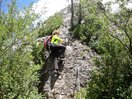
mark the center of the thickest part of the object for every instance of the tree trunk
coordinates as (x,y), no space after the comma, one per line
(80,13)
(72,14)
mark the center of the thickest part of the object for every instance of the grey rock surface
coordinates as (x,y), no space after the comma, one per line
(75,70)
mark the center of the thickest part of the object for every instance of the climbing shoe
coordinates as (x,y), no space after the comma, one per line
(61,59)
(57,72)
(62,56)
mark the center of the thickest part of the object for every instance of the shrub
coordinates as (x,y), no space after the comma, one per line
(50,25)
(18,76)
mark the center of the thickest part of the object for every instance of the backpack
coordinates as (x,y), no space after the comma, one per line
(47,42)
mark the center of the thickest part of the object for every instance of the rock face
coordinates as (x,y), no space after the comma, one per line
(75,68)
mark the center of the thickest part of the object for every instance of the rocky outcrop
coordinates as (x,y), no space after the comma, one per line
(75,67)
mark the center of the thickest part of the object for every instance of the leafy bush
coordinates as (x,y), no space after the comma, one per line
(18,76)
(50,25)
(112,77)
(38,54)
(81,94)
(89,30)
(91,25)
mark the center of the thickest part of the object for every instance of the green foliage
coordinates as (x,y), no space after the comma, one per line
(81,94)
(18,76)
(50,25)
(92,24)
(89,30)
(38,54)
(113,42)
(112,78)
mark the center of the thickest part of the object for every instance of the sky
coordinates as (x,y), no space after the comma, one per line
(20,4)
(46,8)
(38,5)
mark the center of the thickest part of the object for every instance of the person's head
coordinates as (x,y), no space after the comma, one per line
(56,32)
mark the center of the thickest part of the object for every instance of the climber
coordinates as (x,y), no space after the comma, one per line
(57,49)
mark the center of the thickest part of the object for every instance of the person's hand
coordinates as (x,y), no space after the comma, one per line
(62,42)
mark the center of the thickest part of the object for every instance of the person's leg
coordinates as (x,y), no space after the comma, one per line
(54,52)
(56,63)
(60,49)
(57,51)
(54,49)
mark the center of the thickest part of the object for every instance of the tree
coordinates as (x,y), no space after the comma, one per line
(18,76)
(72,14)
(109,35)
(111,79)
(122,22)
(80,12)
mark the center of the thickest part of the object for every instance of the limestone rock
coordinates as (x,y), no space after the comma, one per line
(75,69)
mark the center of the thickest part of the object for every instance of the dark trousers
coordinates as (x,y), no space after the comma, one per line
(57,51)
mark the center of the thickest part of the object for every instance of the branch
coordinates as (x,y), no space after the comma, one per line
(130,40)
(125,46)
(124,29)
(110,19)
(8,47)
(119,40)
(129,48)
(127,20)
(120,27)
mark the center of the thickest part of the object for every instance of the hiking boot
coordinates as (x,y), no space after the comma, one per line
(57,72)
(63,59)
(58,58)
(62,56)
